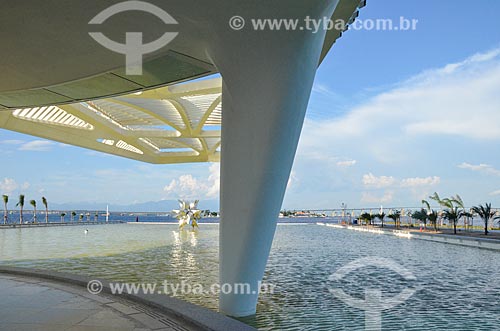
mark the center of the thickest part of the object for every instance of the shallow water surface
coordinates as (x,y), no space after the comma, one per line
(457,288)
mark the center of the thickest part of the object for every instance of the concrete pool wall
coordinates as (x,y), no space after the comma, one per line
(442,238)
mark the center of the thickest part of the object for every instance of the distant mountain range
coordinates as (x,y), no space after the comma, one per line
(150,206)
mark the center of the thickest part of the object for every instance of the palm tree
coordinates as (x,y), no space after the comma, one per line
(80,218)
(433,217)
(5,212)
(452,204)
(73,214)
(366,217)
(96,215)
(426,204)
(453,214)
(458,200)
(62,217)
(381,216)
(486,213)
(421,215)
(20,204)
(44,201)
(460,203)
(436,198)
(395,216)
(409,213)
(467,216)
(33,203)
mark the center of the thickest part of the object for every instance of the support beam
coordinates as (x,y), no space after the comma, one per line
(267,80)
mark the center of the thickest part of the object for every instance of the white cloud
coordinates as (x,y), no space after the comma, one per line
(485,168)
(419,187)
(440,114)
(454,67)
(11,142)
(347,163)
(497,192)
(213,181)
(185,186)
(372,181)
(454,100)
(416,187)
(189,187)
(418,181)
(367,197)
(323,89)
(378,182)
(8,185)
(316,153)
(37,146)
(438,102)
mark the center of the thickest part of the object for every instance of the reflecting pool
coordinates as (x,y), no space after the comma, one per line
(456,288)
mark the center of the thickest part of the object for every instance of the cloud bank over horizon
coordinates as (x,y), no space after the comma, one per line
(418,131)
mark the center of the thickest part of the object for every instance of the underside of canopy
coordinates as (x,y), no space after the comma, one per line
(154,117)
(62,71)
(179,123)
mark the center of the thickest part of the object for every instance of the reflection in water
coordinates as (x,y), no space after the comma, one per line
(185,242)
(182,236)
(459,286)
(194,237)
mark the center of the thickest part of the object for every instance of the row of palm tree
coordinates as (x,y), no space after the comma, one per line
(454,211)
(367,218)
(486,214)
(33,203)
(395,215)
(20,204)
(424,215)
(80,218)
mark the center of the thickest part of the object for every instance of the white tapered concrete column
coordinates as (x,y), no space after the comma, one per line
(267,80)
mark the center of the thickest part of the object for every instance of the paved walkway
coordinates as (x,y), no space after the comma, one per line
(37,305)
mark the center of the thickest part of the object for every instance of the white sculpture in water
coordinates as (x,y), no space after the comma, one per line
(187,214)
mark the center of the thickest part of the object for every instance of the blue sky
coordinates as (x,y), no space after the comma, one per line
(393,117)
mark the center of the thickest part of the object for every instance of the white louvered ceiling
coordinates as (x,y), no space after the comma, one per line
(173,124)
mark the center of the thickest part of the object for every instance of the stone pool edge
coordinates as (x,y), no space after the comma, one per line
(482,243)
(191,313)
